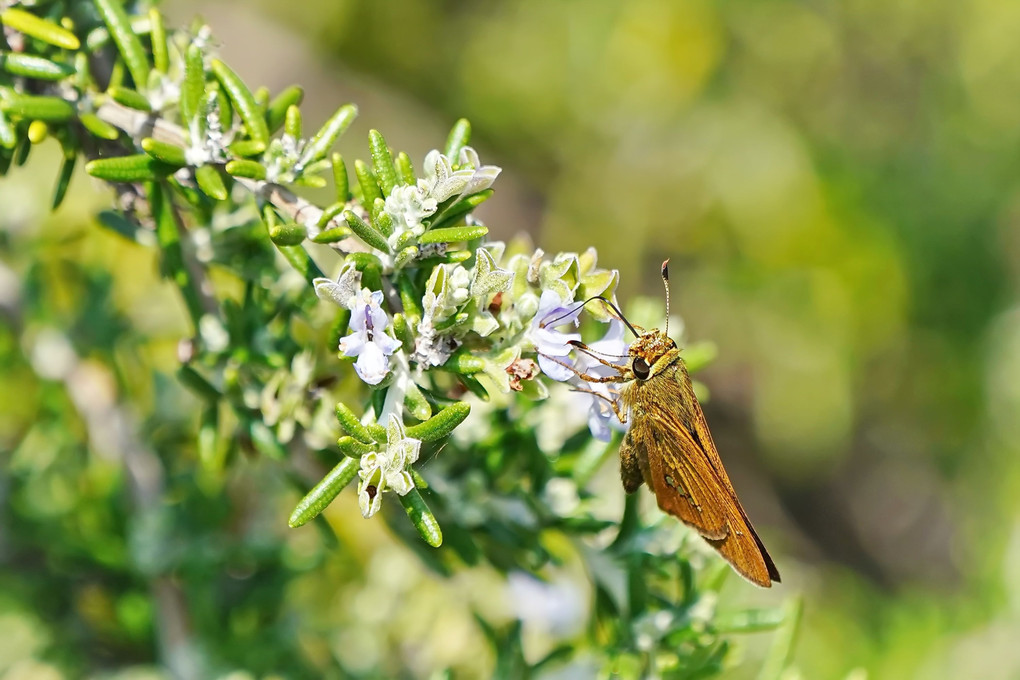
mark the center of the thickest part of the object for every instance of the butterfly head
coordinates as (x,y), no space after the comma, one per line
(646,352)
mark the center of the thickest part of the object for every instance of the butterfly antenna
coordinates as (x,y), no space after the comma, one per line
(619,314)
(665,282)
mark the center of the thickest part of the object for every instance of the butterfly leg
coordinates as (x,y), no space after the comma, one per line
(620,413)
(590,378)
(589,352)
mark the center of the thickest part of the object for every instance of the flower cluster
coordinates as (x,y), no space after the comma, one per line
(495,316)
(410,206)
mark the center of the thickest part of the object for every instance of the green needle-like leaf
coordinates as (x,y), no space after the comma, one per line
(405,169)
(422,518)
(30,66)
(277,111)
(130,98)
(416,403)
(459,136)
(351,424)
(135,168)
(778,657)
(405,257)
(118,224)
(209,449)
(262,98)
(366,232)
(192,379)
(247,169)
(38,107)
(453,234)
(352,448)
(264,440)
(319,145)
(455,212)
(292,122)
(451,257)
(329,214)
(210,182)
(64,177)
(383,221)
(378,432)
(243,100)
(157,36)
(247,148)
(441,424)
(22,150)
(162,151)
(365,262)
(193,88)
(299,259)
(334,235)
(370,189)
(99,127)
(404,332)
(287,233)
(382,162)
(410,299)
(130,47)
(39,28)
(465,363)
(309,179)
(340,179)
(370,267)
(225,107)
(324,492)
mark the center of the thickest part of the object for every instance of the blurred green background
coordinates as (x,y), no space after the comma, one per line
(838,186)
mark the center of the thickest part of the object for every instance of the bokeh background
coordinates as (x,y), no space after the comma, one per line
(837,184)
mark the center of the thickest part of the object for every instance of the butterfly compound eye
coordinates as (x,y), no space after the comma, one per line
(641,368)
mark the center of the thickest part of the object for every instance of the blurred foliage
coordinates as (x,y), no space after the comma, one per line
(837,184)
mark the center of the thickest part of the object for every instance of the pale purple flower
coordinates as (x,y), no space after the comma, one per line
(368,340)
(553,345)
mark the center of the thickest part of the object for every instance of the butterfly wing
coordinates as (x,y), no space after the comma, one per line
(703,438)
(681,465)
(681,490)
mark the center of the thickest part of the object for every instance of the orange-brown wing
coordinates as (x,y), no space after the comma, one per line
(703,437)
(688,478)
(680,489)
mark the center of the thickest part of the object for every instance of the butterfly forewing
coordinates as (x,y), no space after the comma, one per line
(705,443)
(680,490)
